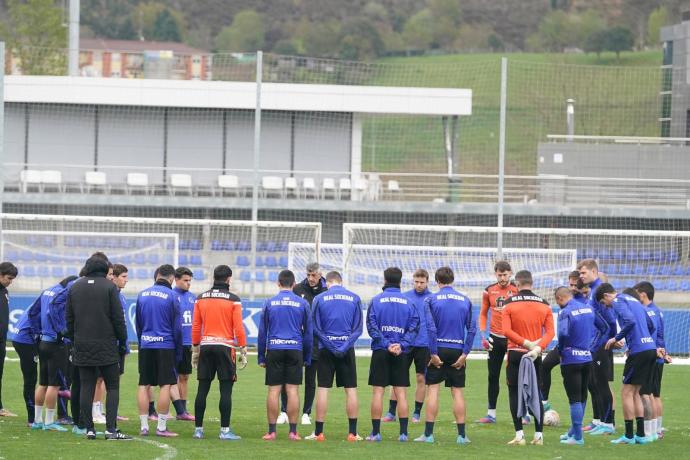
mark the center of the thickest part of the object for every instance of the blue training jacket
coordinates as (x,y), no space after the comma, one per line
(580,328)
(286,324)
(636,327)
(418,298)
(392,318)
(606,313)
(449,320)
(123,301)
(337,315)
(186,300)
(28,326)
(158,320)
(53,320)
(658,319)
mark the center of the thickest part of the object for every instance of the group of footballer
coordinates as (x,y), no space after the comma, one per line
(315,325)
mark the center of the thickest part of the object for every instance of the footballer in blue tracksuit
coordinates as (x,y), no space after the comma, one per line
(637,329)
(284,346)
(24,343)
(337,315)
(392,323)
(451,330)
(159,333)
(579,330)
(183,280)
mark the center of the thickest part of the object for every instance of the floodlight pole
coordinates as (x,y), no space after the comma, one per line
(74,38)
(257,165)
(502,157)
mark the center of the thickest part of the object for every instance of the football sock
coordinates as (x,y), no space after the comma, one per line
(629,429)
(375,426)
(418,407)
(144,422)
(352,422)
(403,425)
(428,429)
(392,406)
(271,428)
(38,414)
(293,428)
(162,422)
(50,416)
(577,413)
(491,413)
(319,428)
(461,429)
(640,426)
(152,408)
(179,407)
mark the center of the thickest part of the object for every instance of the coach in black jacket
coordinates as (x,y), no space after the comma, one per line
(96,325)
(8,272)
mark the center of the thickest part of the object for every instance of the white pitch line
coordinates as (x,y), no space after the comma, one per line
(170,452)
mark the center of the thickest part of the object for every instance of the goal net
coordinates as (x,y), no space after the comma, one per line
(624,256)
(46,248)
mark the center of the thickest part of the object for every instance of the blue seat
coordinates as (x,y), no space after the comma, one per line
(40,257)
(183,245)
(359,278)
(652,270)
(244,246)
(638,269)
(183,259)
(661,285)
(260,246)
(624,269)
(665,270)
(242,261)
(217,245)
(126,259)
(43,271)
(245,276)
(11,254)
(26,256)
(672,285)
(679,270)
(685,285)
(273,276)
(282,246)
(283,261)
(142,273)
(195,259)
(140,259)
(372,279)
(259,261)
(271,261)
(28,271)
(195,245)
(271,246)
(153,259)
(199,275)
(57,272)
(260,276)
(70,241)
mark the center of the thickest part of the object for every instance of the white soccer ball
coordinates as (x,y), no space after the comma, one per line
(551,418)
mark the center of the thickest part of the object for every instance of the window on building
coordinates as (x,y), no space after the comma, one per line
(665,128)
(667,49)
(666,79)
(666,105)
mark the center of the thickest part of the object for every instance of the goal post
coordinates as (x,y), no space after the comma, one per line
(57,244)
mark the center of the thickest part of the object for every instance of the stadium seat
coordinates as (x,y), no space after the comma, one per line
(271,246)
(183,259)
(51,179)
(244,246)
(652,269)
(672,285)
(57,272)
(195,259)
(393,188)
(153,259)
(282,246)
(137,182)
(283,261)
(199,275)
(142,273)
(271,185)
(40,257)
(180,182)
(95,180)
(291,187)
(359,278)
(271,261)
(29,177)
(259,262)
(28,271)
(661,285)
(273,276)
(245,276)
(217,245)
(26,256)
(685,285)
(139,259)
(328,188)
(665,270)
(11,254)
(260,246)
(242,261)
(309,187)
(344,187)
(260,276)
(43,271)
(70,241)
(195,245)
(230,183)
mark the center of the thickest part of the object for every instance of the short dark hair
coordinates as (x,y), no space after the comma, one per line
(589,264)
(67,280)
(101,255)
(182,271)
(334,276)
(574,275)
(632,293)
(421,273)
(392,275)
(286,279)
(221,273)
(119,269)
(604,288)
(523,277)
(580,284)
(165,271)
(502,266)
(444,275)
(646,287)
(95,264)
(562,291)
(9,269)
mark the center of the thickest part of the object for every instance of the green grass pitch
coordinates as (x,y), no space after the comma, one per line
(249,421)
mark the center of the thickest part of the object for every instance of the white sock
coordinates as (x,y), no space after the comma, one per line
(538,435)
(596,421)
(659,424)
(520,434)
(654,430)
(144,422)
(225,429)
(491,413)
(50,416)
(647,428)
(38,414)
(162,421)
(96,410)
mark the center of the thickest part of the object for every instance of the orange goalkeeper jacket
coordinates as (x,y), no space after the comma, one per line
(218,318)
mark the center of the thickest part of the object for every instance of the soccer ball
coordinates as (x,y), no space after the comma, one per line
(551,418)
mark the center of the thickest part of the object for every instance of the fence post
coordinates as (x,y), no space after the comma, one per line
(257,165)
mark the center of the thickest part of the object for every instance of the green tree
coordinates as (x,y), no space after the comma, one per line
(108,18)
(657,19)
(246,33)
(147,18)
(360,40)
(165,28)
(589,23)
(321,38)
(619,39)
(418,31)
(557,31)
(596,42)
(35,35)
